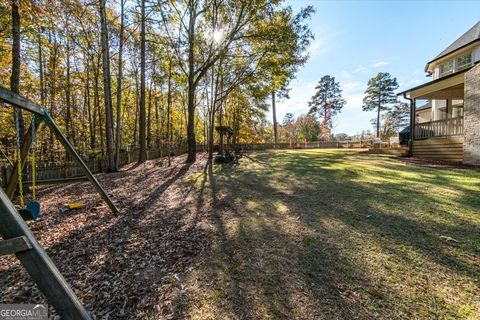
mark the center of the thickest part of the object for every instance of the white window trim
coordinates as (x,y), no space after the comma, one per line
(465,66)
(455,66)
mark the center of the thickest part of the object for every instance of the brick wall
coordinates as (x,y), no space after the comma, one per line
(471,144)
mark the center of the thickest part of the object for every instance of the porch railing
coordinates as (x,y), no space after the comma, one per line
(439,128)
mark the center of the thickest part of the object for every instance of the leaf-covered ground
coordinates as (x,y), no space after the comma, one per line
(310,234)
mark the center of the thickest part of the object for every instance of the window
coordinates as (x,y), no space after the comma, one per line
(439,109)
(455,65)
(457,112)
(463,62)
(446,68)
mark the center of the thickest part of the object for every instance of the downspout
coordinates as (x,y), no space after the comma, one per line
(412,124)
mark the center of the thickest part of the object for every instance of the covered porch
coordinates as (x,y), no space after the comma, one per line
(437,119)
(438,108)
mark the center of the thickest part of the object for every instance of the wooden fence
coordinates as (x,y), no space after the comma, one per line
(66,171)
(312,145)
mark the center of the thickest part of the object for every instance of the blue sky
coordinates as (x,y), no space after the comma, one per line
(354,40)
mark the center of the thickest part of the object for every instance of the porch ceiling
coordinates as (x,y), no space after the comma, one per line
(455,92)
(451,87)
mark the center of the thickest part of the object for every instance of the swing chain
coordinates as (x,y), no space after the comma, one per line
(34,169)
(19,157)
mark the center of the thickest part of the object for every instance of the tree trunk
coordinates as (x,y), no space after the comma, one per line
(68,114)
(53,88)
(211,134)
(40,67)
(157,125)
(149,116)
(191,143)
(96,104)
(142,119)
(15,76)
(42,85)
(107,88)
(274,111)
(211,114)
(169,112)
(118,133)
(137,103)
(378,120)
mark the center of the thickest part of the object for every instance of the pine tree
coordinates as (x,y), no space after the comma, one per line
(327,102)
(380,95)
(288,119)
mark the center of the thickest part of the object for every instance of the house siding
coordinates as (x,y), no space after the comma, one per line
(471,143)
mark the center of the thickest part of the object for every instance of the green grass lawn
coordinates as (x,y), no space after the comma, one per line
(327,234)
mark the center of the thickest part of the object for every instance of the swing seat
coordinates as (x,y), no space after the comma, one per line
(31,211)
(25,213)
(34,207)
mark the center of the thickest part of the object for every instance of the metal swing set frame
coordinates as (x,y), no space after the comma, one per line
(19,239)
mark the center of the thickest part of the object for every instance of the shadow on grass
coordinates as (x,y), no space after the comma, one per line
(264,269)
(295,236)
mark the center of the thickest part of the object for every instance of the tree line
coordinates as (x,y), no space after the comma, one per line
(328,102)
(116,74)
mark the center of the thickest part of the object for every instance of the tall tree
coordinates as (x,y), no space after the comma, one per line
(288,53)
(142,121)
(118,132)
(204,46)
(380,95)
(240,54)
(107,88)
(15,75)
(327,103)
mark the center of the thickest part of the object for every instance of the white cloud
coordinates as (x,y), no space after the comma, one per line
(325,39)
(416,78)
(380,64)
(352,87)
(317,48)
(361,69)
(300,95)
(413,82)
(347,75)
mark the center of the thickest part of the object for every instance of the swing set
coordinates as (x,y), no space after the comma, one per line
(32,210)
(17,237)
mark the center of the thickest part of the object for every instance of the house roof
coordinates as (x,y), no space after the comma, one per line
(472,35)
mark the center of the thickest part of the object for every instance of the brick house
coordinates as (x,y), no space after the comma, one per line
(445,112)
